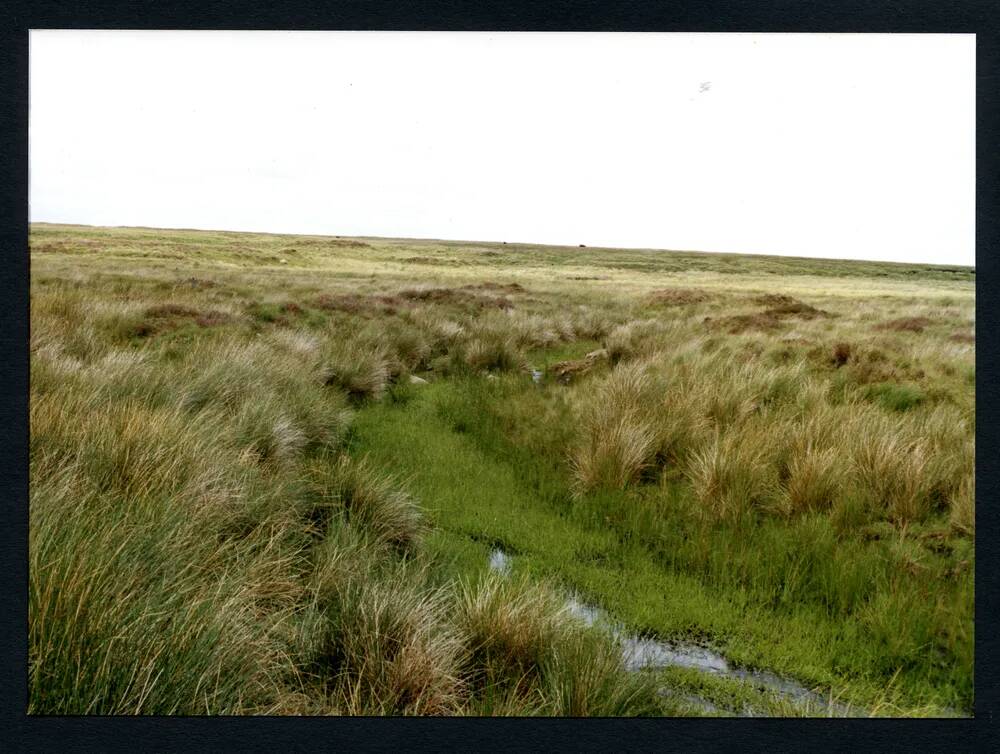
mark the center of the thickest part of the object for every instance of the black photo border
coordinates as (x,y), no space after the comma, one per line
(44,733)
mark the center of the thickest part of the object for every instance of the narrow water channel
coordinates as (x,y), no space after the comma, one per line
(639,653)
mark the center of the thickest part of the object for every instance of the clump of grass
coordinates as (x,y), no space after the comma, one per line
(342,556)
(962,504)
(134,451)
(223,379)
(272,437)
(730,401)
(730,475)
(532,330)
(890,471)
(815,479)
(135,605)
(510,628)
(377,502)
(303,344)
(404,345)
(633,339)
(584,677)
(681,428)
(357,368)
(494,352)
(394,650)
(591,323)
(619,439)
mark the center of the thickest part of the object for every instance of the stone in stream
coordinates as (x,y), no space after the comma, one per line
(566,371)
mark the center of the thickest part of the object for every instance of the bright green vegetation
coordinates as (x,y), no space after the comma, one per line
(241,503)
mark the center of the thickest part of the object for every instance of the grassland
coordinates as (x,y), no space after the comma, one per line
(267,474)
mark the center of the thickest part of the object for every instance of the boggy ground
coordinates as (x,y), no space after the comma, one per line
(242,501)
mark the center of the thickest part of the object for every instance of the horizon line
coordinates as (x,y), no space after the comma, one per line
(511,243)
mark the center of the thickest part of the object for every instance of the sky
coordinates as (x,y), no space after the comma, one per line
(855,146)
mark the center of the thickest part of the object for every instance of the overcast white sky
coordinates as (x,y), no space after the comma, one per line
(851,146)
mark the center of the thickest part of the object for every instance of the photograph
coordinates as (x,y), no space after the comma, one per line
(471,373)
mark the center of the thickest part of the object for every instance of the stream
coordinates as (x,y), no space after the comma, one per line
(639,653)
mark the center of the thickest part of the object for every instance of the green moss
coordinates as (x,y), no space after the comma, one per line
(895,397)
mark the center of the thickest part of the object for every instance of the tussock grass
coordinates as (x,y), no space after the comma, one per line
(359,370)
(815,481)
(494,351)
(890,472)
(730,476)
(530,651)
(963,506)
(393,650)
(239,504)
(375,501)
(511,627)
(584,679)
(618,440)
(135,607)
(632,339)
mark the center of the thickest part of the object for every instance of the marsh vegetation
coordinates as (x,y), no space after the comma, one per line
(243,499)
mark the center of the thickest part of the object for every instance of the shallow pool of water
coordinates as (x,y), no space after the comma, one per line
(499,561)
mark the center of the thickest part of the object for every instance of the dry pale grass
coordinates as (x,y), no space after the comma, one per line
(815,481)
(493,350)
(618,439)
(890,471)
(731,476)
(510,626)
(963,507)
(376,501)
(395,650)
(357,369)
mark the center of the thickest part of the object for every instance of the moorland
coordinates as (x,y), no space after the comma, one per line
(280,474)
